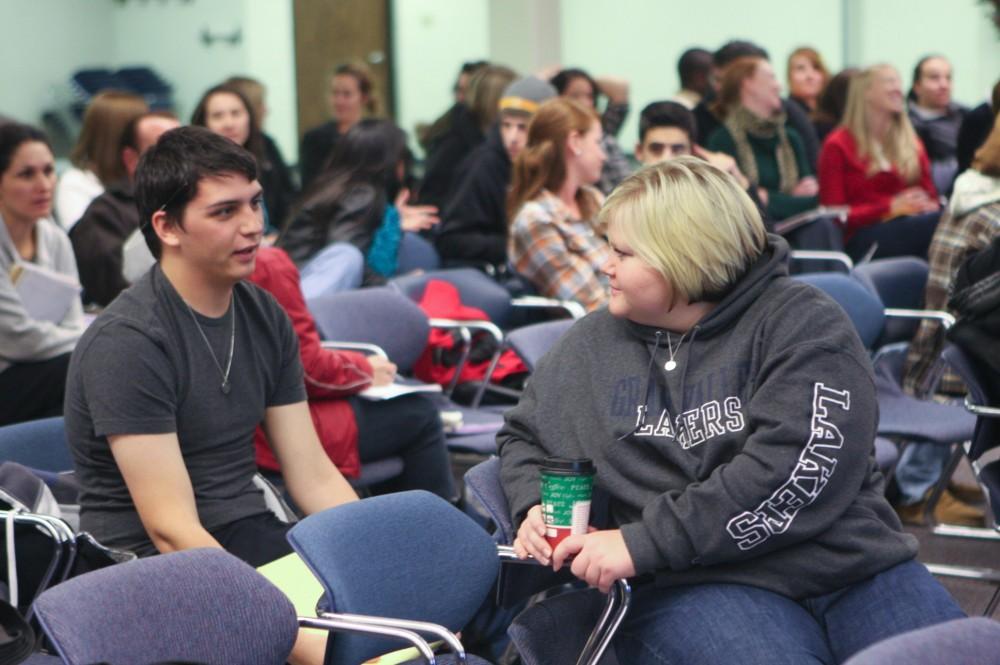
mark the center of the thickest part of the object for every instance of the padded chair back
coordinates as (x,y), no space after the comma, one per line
(474,288)
(483,482)
(379,316)
(899,282)
(973,641)
(39,444)
(202,606)
(987,433)
(534,341)
(862,306)
(415,253)
(409,555)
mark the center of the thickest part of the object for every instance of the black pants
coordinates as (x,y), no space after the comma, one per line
(407,427)
(258,539)
(33,390)
(902,236)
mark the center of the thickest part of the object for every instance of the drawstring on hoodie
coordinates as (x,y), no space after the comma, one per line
(649,383)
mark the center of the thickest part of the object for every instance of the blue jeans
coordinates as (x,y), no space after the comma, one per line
(338,267)
(709,624)
(919,468)
(903,236)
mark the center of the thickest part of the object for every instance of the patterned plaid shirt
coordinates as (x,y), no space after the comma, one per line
(956,237)
(560,255)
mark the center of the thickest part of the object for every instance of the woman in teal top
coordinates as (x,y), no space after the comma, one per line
(769,152)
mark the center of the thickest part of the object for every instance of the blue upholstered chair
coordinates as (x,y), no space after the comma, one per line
(476,289)
(410,558)
(202,606)
(901,416)
(382,320)
(416,253)
(39,444)
(958,642)
(584,619)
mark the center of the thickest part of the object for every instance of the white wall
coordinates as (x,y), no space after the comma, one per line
(168,36)
(430,41)
(39,52)
(900,32)
(50,39)
(642,39)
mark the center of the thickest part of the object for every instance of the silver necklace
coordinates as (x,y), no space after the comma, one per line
(225,387)
(671,364)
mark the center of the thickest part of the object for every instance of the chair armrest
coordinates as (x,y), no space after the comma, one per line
(981,409)
(418,627)
(465,328)
(615,609)
(336,623)
(823,255)
(571,307)
(372,349)
(946,319)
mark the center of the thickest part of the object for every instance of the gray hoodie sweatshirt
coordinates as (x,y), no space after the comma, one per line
(751,462)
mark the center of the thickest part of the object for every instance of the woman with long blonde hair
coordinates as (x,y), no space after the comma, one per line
(554,238)
(875,164)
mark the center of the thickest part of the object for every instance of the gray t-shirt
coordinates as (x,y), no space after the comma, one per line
(143,368)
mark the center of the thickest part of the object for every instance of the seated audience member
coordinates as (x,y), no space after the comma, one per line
(225,110)
(831,103)
(95,157)
(351,97)
(256,94)
(100,235)
(474,225)
(875,164)
(705,112)
(976,126)
(768,151)
(579,86)
(747,499)
(970,223)
(807,76)
(35,345)
(464,79)
(936,118)
(555,242)
(354,431)
(667,131)
(694,69)
(459,131)
(358,200)
(169,383)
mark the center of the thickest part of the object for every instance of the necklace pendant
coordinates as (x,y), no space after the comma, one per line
(225,387)
(670,365)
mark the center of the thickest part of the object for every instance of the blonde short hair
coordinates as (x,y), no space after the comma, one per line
(691,222)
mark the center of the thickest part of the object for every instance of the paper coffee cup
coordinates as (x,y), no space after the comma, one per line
(567,485)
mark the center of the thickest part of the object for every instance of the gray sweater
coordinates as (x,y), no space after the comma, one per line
(750,463)
(23,339)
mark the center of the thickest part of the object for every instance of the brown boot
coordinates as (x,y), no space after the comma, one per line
(949,510)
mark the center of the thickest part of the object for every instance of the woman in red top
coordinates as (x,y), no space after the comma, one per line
(354,431)
(875,164)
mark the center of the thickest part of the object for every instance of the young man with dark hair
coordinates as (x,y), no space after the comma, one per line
(694,68)
(667,130)
(100,235)
(166,387)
